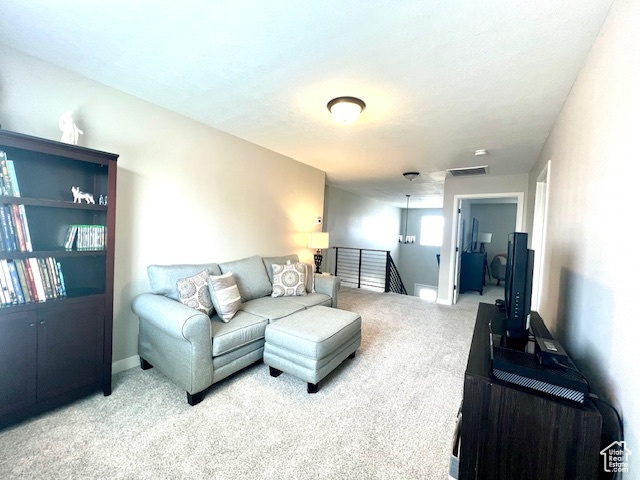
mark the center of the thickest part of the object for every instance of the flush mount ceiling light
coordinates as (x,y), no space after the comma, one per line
(481,153)
(346,109)
(411,176)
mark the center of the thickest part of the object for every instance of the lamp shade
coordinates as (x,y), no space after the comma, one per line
(319,240)
(484,237)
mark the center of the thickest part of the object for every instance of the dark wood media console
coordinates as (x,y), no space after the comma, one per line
(509,432)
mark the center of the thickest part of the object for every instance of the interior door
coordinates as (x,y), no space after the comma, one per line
(459,239)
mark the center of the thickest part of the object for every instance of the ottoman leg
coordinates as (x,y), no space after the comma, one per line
(274,372)
(352,356)
(312,387)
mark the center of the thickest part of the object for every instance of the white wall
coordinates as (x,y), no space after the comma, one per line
(359,222)
(186,192)
(499,219)
(418,263)
(470,187)
(590,288)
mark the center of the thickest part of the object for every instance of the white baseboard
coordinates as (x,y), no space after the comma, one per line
(125,364)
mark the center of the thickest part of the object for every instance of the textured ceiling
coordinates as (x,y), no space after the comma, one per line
(440,78)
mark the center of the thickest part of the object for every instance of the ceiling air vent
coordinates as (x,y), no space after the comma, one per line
(468,171)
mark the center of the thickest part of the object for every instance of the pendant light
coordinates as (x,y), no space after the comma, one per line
(406,226)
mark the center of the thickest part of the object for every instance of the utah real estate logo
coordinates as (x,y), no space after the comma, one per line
(616,457)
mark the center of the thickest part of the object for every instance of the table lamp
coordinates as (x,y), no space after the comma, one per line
(318,240)
(484,238)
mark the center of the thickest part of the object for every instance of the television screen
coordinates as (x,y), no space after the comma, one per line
(517,287)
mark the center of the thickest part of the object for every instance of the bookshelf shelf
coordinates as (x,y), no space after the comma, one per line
(40,202)
(53,253)
(56,316)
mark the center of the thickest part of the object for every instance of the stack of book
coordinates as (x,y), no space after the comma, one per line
(31,280)
(86,237)
(13,218)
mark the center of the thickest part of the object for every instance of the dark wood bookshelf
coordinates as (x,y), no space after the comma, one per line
(56,350)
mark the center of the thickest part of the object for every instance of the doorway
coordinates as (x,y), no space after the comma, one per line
(539,233)
(462,222)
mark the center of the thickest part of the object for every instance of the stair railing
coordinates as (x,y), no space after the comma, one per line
(368,268)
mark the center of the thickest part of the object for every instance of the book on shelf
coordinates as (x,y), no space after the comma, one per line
(19,230)
(25,227)
(14,178)
(15,229)
(7,229)
(86,237)
(17,288)
(24,283)
(45,279)
(11,297)
(5,296)
(8,178)
(30,280)
(37,279)
(70,237)
(7,188)
(63,288)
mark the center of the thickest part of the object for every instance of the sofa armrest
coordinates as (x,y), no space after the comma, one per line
(175,339)
(329,285)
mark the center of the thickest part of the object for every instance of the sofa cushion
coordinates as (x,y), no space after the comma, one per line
(311,300)
(164,278)
(289,280)
(271,308)
(251,277)
(242,330)
(269,261)
(224,295)
(194,292)
(311,279)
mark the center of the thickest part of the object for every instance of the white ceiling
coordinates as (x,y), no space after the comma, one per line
(440,78)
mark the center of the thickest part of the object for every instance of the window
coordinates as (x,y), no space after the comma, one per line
(431,227)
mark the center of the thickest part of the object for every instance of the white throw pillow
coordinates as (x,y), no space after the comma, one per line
(225,295)
(289,280)
(194,293)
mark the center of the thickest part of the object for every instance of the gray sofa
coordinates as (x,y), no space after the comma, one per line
(195,350)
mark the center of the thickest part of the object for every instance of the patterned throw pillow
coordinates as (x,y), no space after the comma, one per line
(194,292)
(289,280)
(225,295)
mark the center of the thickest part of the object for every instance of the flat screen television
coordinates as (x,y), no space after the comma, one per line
(517,288)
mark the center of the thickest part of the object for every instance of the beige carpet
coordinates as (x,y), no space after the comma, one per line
(387,414)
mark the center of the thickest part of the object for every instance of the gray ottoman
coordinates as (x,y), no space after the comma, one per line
(309,344)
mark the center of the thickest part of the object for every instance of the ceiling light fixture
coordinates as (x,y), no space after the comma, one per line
(411,176)
(346,109)
(407,238)
(480,153)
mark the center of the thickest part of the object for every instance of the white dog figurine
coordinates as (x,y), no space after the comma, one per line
(69,129)
(78,196)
